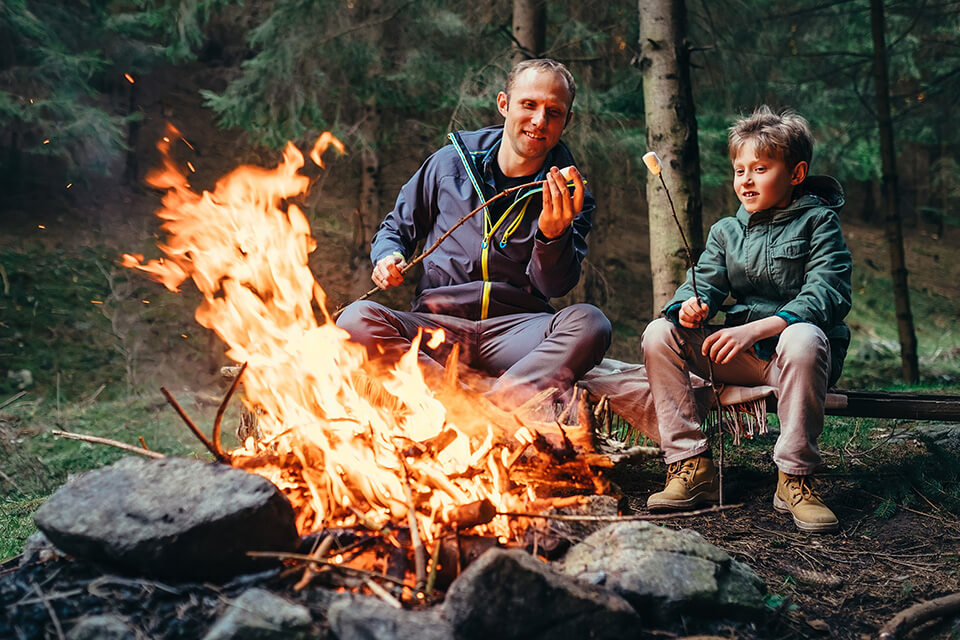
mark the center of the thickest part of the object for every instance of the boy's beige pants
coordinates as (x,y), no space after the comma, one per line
(799,369)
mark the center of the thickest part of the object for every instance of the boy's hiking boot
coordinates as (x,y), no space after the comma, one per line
(690,483)
(797,496)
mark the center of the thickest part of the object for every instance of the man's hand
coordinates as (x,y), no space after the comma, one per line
(386,273)
(692,313)
(559,206)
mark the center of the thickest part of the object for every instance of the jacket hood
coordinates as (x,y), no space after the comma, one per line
(815,191)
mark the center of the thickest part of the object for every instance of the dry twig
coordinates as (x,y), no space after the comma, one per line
(108,442)
(223,407)
(665,516)
(211,447)
(319,553)
(304,557)
(382,593)
(49,608)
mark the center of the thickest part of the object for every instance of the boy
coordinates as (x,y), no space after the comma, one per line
(783,260)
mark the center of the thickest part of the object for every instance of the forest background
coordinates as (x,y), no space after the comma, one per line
(87,87)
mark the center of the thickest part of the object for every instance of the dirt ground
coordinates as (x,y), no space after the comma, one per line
(843,585)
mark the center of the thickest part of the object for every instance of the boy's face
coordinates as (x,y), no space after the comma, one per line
(762,181)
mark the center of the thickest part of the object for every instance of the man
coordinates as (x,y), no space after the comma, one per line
(488,285)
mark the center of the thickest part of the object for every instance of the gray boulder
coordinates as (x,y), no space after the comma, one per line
(663,572)
(173,518)
(509,594)
(260,615)
(363,618)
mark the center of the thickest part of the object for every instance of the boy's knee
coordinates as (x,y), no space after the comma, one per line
(658,334)
(803,343)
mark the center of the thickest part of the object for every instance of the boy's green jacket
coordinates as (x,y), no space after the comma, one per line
(792,262)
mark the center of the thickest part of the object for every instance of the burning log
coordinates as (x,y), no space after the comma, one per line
(473,514)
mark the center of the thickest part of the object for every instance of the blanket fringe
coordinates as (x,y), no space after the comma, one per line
(743,419)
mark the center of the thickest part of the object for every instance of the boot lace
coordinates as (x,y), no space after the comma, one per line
(682,469)
(801,487)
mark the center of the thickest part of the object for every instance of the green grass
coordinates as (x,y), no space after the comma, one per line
(873,360)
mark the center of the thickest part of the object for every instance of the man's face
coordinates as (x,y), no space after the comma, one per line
(535,113)
(762,181)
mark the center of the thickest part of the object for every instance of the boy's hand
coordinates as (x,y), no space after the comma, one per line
(559,206)
(386,273)
(692,313)
(724,345)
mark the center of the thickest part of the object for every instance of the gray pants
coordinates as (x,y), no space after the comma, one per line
(799,370)
(526,352)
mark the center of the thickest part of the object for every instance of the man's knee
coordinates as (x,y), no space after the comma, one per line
(363,320)
(803,344)
(589,324)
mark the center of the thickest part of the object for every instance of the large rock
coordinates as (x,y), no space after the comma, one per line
(260,615)
(663,572)
(363,618)
(174,519)
(509,594)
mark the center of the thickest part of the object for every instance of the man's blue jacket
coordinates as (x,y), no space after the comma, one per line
(487,267)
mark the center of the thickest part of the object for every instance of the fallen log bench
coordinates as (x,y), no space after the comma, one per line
(891,404)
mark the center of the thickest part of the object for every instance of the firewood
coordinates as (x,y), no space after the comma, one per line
(473,514)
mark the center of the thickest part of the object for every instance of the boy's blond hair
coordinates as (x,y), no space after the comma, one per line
(785,135)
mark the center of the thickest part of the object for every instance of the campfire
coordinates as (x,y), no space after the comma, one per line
(350,443)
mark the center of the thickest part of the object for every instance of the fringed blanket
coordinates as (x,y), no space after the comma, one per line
(743,410)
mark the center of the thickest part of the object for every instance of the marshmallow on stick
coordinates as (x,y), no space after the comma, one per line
(652,160)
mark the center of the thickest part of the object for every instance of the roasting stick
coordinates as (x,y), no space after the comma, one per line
(459,222)
(652,160)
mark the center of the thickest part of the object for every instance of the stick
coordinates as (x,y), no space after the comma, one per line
(436,244)
(318,553)
(304,557)
(653,164)
(50,611)
(223,407)
(111,443)
(219,455)
(900,624)
(10,480)
(666,516)
(419,559)
(13,399)
(384,595)
(434,563)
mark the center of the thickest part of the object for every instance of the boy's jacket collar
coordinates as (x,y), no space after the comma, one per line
(815,191)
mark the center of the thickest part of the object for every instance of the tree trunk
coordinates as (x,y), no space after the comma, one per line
(529,29)
(891,200)
(672,133)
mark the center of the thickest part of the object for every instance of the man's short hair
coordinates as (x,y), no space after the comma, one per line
(541,65)
(785,135)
